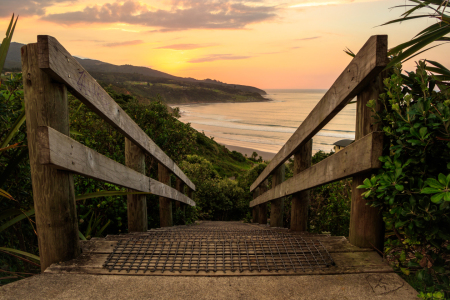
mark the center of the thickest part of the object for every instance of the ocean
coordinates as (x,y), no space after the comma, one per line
(266,126)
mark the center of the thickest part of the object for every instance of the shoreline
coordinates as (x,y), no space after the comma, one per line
(249,151)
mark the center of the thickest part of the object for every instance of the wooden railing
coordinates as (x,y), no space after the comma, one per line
(48,72)
(362,79)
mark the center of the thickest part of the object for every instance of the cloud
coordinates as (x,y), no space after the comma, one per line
(185,46)
(183,14)
(126,43)
(214,57)
(314,3)
(309,38)
(26,7)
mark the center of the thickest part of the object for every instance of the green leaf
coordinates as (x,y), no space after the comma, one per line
(429,190)
(434,183)
(81,236)
(405,271)
(103,228)
(29,255)
(442,179)
(6,42)
(423,132)
(437,198)
(15,128)
(5,194)
(17,219)
(399,187)
(367,182)
(74,132)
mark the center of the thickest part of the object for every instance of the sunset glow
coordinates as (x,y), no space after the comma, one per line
(268,44)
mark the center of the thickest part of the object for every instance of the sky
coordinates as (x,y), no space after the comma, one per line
(264,43)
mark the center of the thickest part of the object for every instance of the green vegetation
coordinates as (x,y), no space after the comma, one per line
(411,188)
(102,207)
(175,91)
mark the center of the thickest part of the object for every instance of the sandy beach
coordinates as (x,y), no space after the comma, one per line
(249,152)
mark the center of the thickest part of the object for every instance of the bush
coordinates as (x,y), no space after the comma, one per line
(412,188)
(217,198)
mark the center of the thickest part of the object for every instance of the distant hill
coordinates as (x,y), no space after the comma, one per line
(13,63)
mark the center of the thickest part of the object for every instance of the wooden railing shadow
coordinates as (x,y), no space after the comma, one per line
(362,79)
(48,72)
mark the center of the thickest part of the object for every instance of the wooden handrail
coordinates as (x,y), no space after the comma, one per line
(63,153)
(361,156)
(57,62)
(364,67)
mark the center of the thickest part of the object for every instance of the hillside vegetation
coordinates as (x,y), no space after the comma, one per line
(175,91)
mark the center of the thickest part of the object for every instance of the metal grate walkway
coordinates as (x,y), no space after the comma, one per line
(214,249)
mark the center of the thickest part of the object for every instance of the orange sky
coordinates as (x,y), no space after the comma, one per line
(263,43)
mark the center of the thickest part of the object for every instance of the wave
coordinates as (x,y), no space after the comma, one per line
(277,128)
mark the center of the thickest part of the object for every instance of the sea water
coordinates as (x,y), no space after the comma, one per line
(266,126)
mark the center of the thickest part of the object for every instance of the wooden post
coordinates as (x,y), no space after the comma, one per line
(366,223)
(277,205)
(255,210)
(263,207)
(179,186)
(300,200)
(165,204)
(53,191)
(137,204)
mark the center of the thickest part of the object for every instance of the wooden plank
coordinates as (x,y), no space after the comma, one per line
(366,222)
(136,204)
(361,156)
(63,153)
(165,204)
(367,64)
(277,204)
(255,210)
(56,61)
(346,263)
(263,207)
(300,200)
(179,186)
(53,191)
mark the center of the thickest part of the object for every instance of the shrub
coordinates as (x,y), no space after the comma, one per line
(412,188)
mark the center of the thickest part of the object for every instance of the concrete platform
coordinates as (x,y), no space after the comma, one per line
(82,286)
(217,260)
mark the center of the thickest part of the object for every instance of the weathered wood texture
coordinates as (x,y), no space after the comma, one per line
(367,64)
(53,191)
(56,61)
(165,204)
(263,207)
(346,263)
(277,204)
(300,200)
(180,186)
(361,156)
(255,209)
(366,223)
(63,153)
(136,204)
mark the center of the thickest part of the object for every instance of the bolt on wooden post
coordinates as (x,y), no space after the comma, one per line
(179,186)
(277,205)
(366,223)
(262,213)
(255,209)
(137,204)
(53,191)
(300,200)
(165,204)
